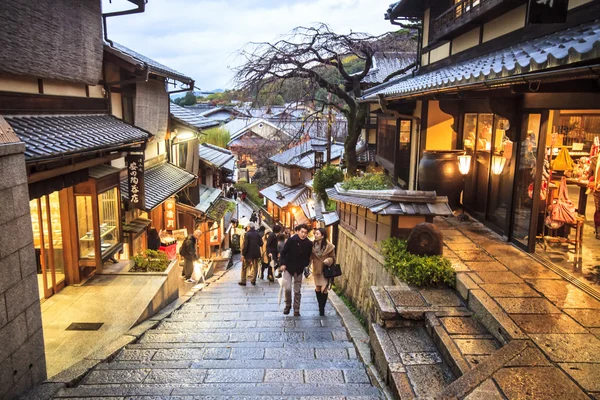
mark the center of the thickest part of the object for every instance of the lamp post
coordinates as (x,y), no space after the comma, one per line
(464,165)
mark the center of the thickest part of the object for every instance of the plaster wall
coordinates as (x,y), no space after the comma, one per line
(60,88)
(96,91)
(116,105)
(466,41)
(439,53)
(22,360)
(16,83)
(506,23)
(577,3)
(440,135)
(425,59)
(426,19)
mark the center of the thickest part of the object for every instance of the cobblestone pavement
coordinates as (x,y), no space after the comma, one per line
(230,342)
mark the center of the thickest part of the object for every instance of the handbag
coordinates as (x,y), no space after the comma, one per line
(564,209)
(332,271)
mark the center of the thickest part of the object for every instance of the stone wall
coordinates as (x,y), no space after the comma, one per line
(22,360)
(362,267)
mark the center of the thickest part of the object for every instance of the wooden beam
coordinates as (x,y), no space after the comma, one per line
(26,103)
(40,176)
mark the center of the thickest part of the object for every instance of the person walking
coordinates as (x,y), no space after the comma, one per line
(323,254)
(253,217)
(295,256)
(250,255)
(281,239)
(189,254)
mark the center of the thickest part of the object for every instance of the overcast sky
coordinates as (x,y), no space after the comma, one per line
(201,38)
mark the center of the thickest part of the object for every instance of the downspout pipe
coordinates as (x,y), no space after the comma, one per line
(141,7)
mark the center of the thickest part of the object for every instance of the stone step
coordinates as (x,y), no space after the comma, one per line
(281,323)
(244,316)
(179,326)
(223,389)
(298,363)
(178,344)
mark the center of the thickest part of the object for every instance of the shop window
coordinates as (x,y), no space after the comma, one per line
(386,138)
(85,226)
(108,213)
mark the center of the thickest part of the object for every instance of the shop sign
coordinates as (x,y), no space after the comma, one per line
(217,178)
(170,215)
(135,179)
(547,11)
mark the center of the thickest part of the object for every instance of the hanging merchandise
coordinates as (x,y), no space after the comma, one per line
(595,147)
(563,161)
(564,209)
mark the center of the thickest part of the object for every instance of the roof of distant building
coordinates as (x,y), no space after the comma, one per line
(216,156)
(386,64)
(558,49)
(283,195)
(51,136)
(185,116)
(303,155)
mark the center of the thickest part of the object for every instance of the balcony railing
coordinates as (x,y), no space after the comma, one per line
(460,14)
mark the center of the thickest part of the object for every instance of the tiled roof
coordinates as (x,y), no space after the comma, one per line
(160,183)
(188,117)
(303,155)
(51,136)
(208,196)
(217,156)
(283,195)
(393,202)
(386,64)
(155,66)
(576,44)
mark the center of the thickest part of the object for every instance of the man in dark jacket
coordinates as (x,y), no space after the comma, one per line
(251,254)
(294,257)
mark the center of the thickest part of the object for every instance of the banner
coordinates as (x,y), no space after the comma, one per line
(547,11)
(170,215)
(135,179)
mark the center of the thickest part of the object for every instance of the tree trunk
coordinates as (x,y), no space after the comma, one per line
(355,123)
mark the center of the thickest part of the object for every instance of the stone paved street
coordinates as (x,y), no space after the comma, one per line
(234,342)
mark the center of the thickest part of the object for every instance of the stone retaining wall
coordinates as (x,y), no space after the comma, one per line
(362,267)
(22,360)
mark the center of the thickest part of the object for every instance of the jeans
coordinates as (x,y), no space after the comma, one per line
(287,288)
(250,266)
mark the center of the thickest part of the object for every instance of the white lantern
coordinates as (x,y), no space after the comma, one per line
(498,164)
(464,164)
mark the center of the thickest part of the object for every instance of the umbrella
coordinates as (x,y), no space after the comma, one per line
(280,281)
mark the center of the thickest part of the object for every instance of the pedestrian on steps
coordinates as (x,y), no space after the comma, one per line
(294,258)
(250,254)
(189,254)
(323,254)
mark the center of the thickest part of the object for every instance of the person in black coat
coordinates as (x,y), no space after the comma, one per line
(251,254)
(294,257)
(153,239)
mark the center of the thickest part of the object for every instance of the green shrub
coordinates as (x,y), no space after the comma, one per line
(251,189)
(326,178)
(377,181)
(330,205)
(217,136)
(150,261)
(413,269)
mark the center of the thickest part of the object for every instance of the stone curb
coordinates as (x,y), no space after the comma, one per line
(360,339)
(75,373)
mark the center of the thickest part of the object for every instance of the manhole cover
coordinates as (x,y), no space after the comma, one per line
(85,326)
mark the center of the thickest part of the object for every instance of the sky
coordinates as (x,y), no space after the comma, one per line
(202,38)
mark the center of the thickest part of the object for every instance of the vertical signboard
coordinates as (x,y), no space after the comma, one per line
(170,215)
(547,11)
(135,179)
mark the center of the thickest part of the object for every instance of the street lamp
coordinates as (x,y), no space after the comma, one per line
(464,166)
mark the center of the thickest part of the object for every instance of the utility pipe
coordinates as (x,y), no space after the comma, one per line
(141,7)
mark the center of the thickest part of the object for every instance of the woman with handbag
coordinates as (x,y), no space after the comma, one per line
(323,255)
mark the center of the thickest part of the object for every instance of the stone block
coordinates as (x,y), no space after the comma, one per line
(384,305)
(450,352)
(486,391)
(12,336)
(13,171)
(323,376)
(464,284)
(584,374)
(120,376)
(441,297)
(39,372)
(21,200)
(509,290)
(589,318)
(7,205)
(489,313)
(24,358)
(477,346)
(547,323)
(10,271)
(15,234)
(27,261)
(235,375)
(425,239)
(167,376)
(20,386)
(6,375)
(401,386)
(3,317)
(527,305)
(537,383)
(569,348)
(284,376)
(429,380)
(462,326)
(21,296)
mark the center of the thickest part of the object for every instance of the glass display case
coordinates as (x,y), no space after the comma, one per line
(108,217)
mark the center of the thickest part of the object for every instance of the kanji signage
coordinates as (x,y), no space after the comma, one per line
(170,215)
(318,160)
(547,11)
(135,179)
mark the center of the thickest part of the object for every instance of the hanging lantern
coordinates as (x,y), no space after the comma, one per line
(498,164)
(464,164)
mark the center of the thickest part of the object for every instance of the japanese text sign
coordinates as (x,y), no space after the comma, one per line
(547,11)
(170,215)
(135,179)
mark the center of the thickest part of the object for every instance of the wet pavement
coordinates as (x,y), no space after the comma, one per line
(558,317)
(229,342)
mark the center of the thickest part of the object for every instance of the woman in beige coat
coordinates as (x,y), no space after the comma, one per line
(323,253)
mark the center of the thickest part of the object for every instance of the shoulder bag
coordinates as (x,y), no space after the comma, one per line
(332,271)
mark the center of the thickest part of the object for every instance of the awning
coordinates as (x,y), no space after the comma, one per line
(558,49)
(208,196)
(160,183)
(283,196)
(60,136)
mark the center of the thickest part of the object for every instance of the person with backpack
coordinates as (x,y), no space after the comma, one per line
(250,255)
(189,254)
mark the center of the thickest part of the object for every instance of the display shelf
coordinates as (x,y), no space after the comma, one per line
(102,235)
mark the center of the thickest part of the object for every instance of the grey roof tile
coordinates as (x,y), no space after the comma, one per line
(385,64)
(579,43)
(50,136)
(303,155)
(283,195)
(192,118)
(208,196)
(160,183)
(216,156)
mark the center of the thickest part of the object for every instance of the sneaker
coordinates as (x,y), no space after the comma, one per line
(296,313)
(242,283)
(286,310)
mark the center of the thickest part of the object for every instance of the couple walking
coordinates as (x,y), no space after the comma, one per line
(298,252)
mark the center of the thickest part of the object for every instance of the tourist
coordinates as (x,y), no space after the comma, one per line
(294,258)
(323,253)
(189,254)
(153,239)
(250,254)
(253,217)
(281,239)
